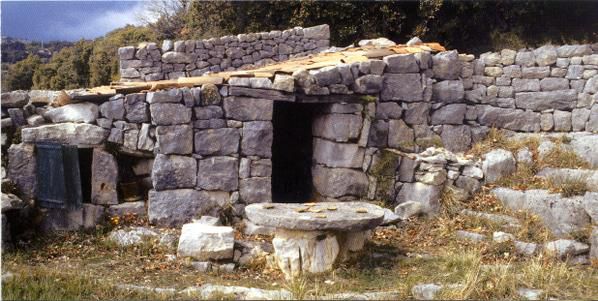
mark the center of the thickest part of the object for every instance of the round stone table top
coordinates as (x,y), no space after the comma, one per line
(336,216)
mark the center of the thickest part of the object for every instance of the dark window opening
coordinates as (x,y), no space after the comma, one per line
(292,152)
(63,175)
(134,177)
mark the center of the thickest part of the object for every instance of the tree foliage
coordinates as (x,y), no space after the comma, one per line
(20,75)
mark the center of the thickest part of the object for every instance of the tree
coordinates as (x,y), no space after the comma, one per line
(68,69)
(19,76)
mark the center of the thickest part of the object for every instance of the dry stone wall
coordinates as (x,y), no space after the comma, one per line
(376,136)
(150,62)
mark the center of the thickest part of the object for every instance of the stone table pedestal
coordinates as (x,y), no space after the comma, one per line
(311,238)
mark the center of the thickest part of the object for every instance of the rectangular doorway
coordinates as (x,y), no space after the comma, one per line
(292,152)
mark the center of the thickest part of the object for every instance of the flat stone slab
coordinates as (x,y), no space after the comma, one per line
(331,216)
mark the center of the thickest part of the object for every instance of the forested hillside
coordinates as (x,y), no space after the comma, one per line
(473,27)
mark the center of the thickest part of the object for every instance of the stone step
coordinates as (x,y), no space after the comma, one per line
(560,175)
(562,215)
(496,218)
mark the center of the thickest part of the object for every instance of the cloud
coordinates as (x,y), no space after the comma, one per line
(91,25)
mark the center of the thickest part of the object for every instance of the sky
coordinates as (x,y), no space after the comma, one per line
(67,20)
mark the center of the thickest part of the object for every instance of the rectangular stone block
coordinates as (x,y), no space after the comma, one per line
(172,172)
(334,154)
(257,139)
(248,109)
(175,139)
(218,173)
(337,127)
(255,190)
(173,208)
(104,177)
(218,142)
(170,113)
(539,101)
(136,109)
(405,87)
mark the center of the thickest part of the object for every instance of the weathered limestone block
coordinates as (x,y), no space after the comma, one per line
(579,118)
(594,244)
(22,169)
(516,120)
(77,112)
(400,135)
(327,76)
(172,57)
(367,84)
(507,57)
(545,55)
(175,139)
(388,110)
(564,248)
(298,252)
(82,134)
(417,113)
(126,53)
(401,63)
(497,164)
(14,99)
(406,87)
(113,109)
(334,154)
(255,190)
(535,72)
(525,58)
(562,121)
(136,109)
(449,114)
(257,139)
(170,113)
(145,140)
(591,85)
(546,122)
(456,138)
(128,208)
(209,112)
(337,182)
(337,127)
(165,96)
(218,173)
(248,109)
(223,141)
(427,195)
(446,65)
(284,83)
(526,85)
(539,101)
(320,32)
(378,135)
(104,178)
(448,91)
(552,84)
(131,138)
(203,242)
(261,168)
(573,50)
(172,172)
(176,207)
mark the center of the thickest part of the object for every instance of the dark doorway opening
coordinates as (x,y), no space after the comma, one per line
(292,152)
(85,161)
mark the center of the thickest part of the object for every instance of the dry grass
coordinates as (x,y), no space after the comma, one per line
(568,186)
(560,157)
(497,139)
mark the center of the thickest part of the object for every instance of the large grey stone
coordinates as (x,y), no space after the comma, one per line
(165,96)
(425,291)
(136,109)
(170,113)
(526,85)
(248,109)
(368,84)
(378,134)
(172,172)
(545,55)
(456,138)
(81,134)
(497,164)
(12,202)
(417,113)
(449,114)
(448,91)
(113,109)
(133,236)
(400,135)
(320,32)
(337,127)
(563,248)
(401,63)
(21,169)
(218,173)
(594,244)
(563,175)
(553,84)
(172,57)
(406,87)
(104,177)
(562,121)
(217,141)
(516,120)
(15,99)
(175,139)
(255,190)
(337,182)
(591,85)
(334,154)
(128,208)
(446,65)
(77,112)
(388,110)
(539,101)
(535,72)
(427,195)
(573,50)
(176,207)
(560,215)
(257,139)
(203,242)
(208,112)
(327,76)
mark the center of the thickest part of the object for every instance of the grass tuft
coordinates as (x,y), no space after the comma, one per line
(569,186)
(560,157)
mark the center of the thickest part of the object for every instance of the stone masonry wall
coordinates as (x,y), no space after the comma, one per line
(148,62)
(375,138)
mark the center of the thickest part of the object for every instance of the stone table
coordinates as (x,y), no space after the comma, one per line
(311,237)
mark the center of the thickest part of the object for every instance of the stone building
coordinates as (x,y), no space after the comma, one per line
(264,123)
